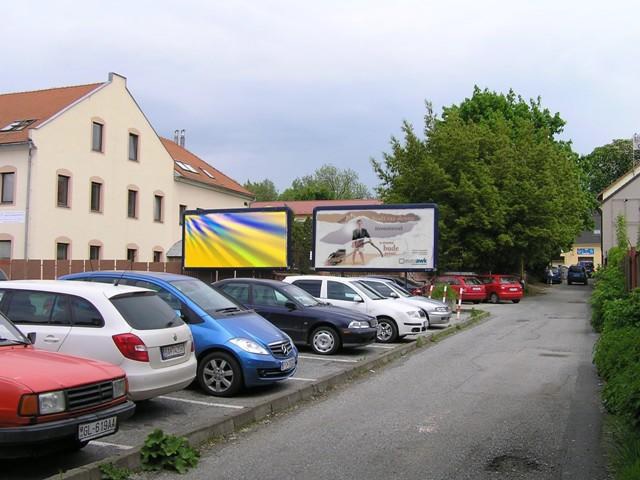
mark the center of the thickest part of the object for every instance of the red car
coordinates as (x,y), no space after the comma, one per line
(50,401)
(473,290)
(502,287)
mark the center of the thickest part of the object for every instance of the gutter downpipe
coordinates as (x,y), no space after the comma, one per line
(28,201)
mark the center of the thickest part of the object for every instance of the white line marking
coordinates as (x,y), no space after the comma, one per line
(329,359)
(198,402)
(386,347)
(301,379)
(107,444)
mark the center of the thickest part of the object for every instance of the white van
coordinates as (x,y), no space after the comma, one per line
(395,319)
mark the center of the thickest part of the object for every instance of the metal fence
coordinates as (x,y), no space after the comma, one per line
(632,269)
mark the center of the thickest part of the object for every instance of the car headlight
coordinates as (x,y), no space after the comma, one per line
(358,324)
(119,388)
(52,402)
(415,314)
(249,346)
(442,309)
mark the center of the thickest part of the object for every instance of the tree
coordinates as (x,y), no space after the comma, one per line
(606,164)
(508,192)
(327,183)
(265,190)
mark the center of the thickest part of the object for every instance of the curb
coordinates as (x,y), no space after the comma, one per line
(236,420)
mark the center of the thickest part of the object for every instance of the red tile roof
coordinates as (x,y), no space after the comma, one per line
(220,180)
(305,207)
(38,105)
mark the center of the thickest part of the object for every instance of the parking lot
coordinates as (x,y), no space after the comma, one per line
(188,409)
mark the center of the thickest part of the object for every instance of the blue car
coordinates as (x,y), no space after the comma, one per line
(577,274)
(235,347)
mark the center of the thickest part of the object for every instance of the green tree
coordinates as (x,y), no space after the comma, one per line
(301,233)
(508,192)
(265,190)
(327,183)
(606,164)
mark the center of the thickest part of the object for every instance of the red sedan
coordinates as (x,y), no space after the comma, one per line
(50,401)
(502,287)
(473,290)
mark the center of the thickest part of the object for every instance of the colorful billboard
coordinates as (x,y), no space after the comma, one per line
(236,238)
(377,237)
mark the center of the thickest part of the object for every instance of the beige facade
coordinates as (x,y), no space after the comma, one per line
(589,252)
(62,146)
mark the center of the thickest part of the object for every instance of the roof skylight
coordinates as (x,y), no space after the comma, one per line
(16,126)
(186,167)
(207,173)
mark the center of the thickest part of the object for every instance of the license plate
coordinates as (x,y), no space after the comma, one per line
(288,364)
(513,289)
(100,428)
(172,351)
(476,289)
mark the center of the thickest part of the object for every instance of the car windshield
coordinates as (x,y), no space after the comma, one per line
(508,280)
(10,335)
(368,291)
(400,290)
(206,297)
(382,288)
(300,295)
(472,281)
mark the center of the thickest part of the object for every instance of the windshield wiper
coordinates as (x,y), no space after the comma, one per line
(228,310)
(14,342)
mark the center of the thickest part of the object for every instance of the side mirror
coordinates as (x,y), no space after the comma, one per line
(358,299)
(393,295)
(290,306)
(32,337)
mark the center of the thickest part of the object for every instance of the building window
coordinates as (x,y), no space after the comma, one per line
(96,136)
(181,210)
(94,252)
(5,249)
(133,147)
(8,186)
(62,251)
(157,256)
(63,191)
(157,208)
(131,254)
(132,204)
(96,196)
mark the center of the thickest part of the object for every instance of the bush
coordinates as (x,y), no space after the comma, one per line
(162,451)
(438,292)
(621,394)
(609,285)
(622,312)
(617,350)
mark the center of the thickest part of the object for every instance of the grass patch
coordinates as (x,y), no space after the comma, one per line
(622,446)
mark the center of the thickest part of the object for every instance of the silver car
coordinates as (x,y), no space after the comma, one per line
(438,313)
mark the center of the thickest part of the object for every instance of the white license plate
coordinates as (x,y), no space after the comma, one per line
(288,364)
(172,351)
(100,428)
(476,289)
(513,289)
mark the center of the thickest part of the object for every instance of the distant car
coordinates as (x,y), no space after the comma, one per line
(127,326)
(395,319)
(473,290)
(577,274)
(502,287)
(588,267)
(235,347)
(438,313)
(554,274)
(323,327)
(51,401)
(415,288)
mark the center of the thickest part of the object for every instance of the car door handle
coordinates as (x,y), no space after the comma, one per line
(51,339)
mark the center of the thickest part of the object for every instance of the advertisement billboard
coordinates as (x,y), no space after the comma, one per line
(378,237)
(236,238)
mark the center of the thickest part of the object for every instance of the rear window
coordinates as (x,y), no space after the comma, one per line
(145,311)
(312,287)
(575,268)
(509,280)
(472,281)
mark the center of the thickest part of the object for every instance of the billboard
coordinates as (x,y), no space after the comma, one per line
(236,238)
(376,237)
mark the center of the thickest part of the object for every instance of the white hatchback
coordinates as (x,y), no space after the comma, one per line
(395,319)
(128,326)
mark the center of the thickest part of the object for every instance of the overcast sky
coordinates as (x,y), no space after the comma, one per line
(275,89)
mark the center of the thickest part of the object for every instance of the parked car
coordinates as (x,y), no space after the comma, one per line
(129,327)
(437,312)
(577,274)
(395,319)
(473,290)
(415,288)
(502,287)
(325,328)
(51,401)
(553,275)
(235,347)
(588,267)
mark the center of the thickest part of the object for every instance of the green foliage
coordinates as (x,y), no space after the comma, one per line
(622,312)
(438,293)
(301,233)
(111,472)
(626,451)
(265,190)
(609,286)
(162,451)
(621,232)
(507,190)
(606,164)
(327,183)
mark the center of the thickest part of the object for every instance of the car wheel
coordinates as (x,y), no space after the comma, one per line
(493,298)
(325,341)
(219,374)
(387,330)
(517,300)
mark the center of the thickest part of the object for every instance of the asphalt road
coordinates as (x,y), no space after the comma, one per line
(514,398)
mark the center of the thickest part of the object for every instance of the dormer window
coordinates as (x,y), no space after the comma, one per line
(16,126)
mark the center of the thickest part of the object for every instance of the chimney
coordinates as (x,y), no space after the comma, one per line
(176,136)
(182,138)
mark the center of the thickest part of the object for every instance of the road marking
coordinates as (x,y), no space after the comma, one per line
(107,444)
(301,379)
(386,347)
(198,402)
(329,359)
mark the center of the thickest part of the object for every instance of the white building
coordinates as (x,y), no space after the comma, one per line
(83,175)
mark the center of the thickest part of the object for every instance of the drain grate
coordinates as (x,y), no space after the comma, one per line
(512,463)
